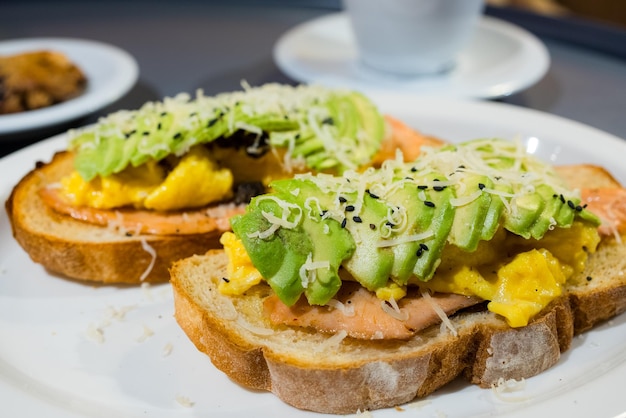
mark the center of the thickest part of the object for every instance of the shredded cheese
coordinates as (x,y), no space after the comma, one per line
(440,312)
(390,307)
(150,250)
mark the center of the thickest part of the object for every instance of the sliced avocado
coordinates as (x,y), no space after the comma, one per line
(370,264)
(469,219)
(277,257)
(548,216)
(405,254)
(442,219)
(159,129)
(331,242)
(282,258)
(524,212)
(494,213)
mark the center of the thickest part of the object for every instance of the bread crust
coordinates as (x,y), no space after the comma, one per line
(358,375)
(84,251)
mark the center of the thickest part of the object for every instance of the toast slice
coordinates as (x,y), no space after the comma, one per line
(86,251)
(336,374)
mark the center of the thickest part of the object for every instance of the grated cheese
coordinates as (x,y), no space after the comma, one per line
(440,312)
(346,310)
(390,307)
(147,248)
(307,271)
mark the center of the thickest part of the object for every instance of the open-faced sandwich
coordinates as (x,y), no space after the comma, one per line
(143,188)
(369,289)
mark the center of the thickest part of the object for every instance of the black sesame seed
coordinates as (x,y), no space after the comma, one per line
(481,186)
(226,279)
(178,135)
(423,246)
(589,278)
(372,227)
(343,223)
(342,199)
(372,195)
(389,224)
(422,187)
(562,198)
(413,169)
(350,208)
(571,204)
(439,188)
(297,136)
(211,123)
(145,133)
(579,208)
(357,219)
(429,203)
(159,126)
(419,252)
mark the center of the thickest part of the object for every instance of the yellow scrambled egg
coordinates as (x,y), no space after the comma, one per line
(195,181)
(518,286)
(242,275)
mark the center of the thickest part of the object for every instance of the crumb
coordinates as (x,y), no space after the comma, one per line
(147,332)
(418,404)
(95,333)
(184,401)
(167,350)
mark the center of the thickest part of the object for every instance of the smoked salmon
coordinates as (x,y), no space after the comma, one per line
(362,315)
(136,221)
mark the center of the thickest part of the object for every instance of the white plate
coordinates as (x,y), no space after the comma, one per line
(49,366)
(110,73)
(501,59)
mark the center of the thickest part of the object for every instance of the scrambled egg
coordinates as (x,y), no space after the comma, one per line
(242,275)
(194,182)
(519,286)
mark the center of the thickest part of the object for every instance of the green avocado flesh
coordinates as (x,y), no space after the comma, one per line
(392,223)
(324,128)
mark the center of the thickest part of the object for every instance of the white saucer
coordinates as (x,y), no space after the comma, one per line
(501,59)
(110,73)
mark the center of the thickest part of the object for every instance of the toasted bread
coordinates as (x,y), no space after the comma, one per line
(82,250)
(325,373)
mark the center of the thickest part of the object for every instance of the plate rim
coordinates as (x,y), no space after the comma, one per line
(531,44)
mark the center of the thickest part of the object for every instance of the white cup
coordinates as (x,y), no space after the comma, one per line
(412,37)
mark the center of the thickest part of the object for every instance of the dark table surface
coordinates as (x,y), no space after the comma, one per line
(181,46)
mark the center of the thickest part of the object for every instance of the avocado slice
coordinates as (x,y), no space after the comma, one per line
(284,257)
(421,217)
(333,119)
(370,264)
(469,219)
(443,214)
(289,249)
(494,213)
(547,218)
